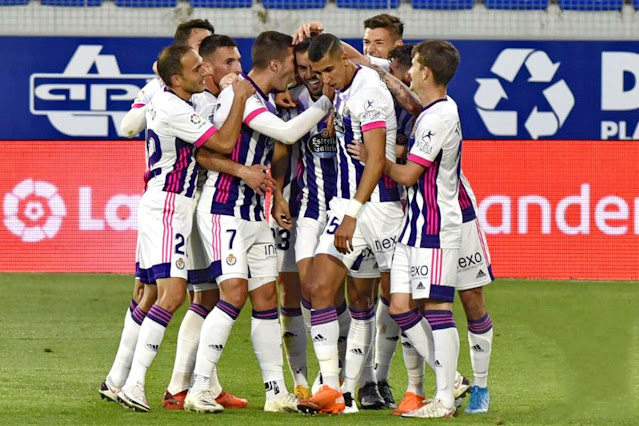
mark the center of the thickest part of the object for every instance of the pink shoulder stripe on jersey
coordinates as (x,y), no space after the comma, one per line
(374,125)
(205,136)
(419,160)
(254,114)
(137,106)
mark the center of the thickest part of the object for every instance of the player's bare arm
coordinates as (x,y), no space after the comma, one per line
(281,210)
(255,176)
(406,98)
(405,174)
(375,142)
(224,140)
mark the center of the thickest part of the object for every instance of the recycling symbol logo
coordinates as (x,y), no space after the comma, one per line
(542,70)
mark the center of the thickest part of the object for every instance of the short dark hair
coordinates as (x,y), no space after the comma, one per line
(324,44)
(440,56)
(183,31)
(392,23)
(402,54)
(270,45)
(170,62)
(303,45)
(213,42)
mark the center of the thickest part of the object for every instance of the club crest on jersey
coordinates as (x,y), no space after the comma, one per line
(322,145)
(180,264)
(197,120)
(424,143)
(231,260)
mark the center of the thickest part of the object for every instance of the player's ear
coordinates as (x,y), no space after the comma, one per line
(274,65)
(399,42)
(176,80)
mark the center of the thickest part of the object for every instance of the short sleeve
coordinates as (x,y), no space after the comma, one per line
(430,136)
(147,92)
(189,126)
(370,107)
(252,108)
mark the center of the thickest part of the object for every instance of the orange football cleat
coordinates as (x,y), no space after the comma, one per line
(326,401)
(174,402)
(228,400)
(411,402)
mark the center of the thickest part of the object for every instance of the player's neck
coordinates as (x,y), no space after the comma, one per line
(181,93)
(430,94)
(211,86)
(351,68)
(262,80)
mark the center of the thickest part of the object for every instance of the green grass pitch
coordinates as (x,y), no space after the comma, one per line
(564,353)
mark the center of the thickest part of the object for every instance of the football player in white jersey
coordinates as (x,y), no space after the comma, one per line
(317,179)
(189,33)
(474,272)
(239,243)
(364,214)
(425,261)
(174,129)
(221,55)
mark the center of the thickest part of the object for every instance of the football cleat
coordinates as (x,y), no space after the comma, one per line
(326,401)
(411,402)
(228,400)
(434,408)
(284,404)
(385,392)
(133,397)
(108,392)
(302,392)
(350,405)
(369,397)
(174,402)
(202,402)
(479,400)
(462,386)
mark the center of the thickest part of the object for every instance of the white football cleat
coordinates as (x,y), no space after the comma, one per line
(462,386)
(284,404)
(202,402)
(351,405)
(434,408)
(108,391)
(133,397)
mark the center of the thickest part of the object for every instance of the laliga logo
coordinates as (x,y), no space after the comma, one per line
(81,104)
(542,70)
(33,211)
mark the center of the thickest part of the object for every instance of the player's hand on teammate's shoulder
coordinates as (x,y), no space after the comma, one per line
(357,150)
(243,89)
(307,30)
(285,100)
(344,235)
(257,178)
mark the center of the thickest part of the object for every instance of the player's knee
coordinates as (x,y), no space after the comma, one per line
(321,297)
(360,301)
(207,298)
(399,304)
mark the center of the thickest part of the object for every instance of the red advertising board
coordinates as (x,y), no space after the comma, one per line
(550,209)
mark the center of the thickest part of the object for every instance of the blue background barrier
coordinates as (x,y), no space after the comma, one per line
(69,87)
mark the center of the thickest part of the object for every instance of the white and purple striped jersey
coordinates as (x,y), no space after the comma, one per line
(228,195)
(364,104)
(318,176)
(405,123)
(173,130)
(467,199)
(145,95)
(433,216)
(204,104)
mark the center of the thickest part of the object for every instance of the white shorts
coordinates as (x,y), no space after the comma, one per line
(424,273)
(238,248)
(165,220)
(308,232)
(199,278)
(365,266)
(378,226)
(285,244)
(473,266)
